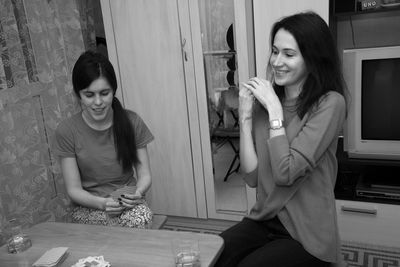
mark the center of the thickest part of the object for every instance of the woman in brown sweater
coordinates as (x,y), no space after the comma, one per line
(289,130)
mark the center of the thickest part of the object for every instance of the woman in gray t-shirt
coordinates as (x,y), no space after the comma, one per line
(103,150)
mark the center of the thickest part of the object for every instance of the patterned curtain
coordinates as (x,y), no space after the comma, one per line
(39,42)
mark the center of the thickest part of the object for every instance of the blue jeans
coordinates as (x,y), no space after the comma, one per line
(262,244)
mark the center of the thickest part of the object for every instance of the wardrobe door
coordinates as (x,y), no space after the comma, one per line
(225,27)
(146,44)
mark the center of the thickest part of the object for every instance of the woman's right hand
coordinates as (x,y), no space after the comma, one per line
(112,207)
(246,103)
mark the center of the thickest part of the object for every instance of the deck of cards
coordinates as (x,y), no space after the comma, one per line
(52,257)
(123,190)
(97,261)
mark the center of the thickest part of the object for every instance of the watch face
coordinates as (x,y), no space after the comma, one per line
(276,124)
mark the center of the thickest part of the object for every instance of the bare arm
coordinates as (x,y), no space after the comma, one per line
(248,155)
(263,91)
(265,94)
(143,171)
(80,196)
(143,180)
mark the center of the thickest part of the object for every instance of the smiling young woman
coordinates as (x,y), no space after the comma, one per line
(102,149)
(288,64)
(96,101)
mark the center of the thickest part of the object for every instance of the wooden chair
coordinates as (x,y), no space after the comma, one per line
(220,135)
(224,136)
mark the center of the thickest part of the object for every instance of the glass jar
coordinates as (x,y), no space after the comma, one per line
(19,241)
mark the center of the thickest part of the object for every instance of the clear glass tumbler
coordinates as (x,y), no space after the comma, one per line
(19,241)
(186,253)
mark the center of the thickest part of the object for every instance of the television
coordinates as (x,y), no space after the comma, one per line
(372,128)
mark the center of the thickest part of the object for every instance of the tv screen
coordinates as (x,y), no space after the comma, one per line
(380,97)
(372,128)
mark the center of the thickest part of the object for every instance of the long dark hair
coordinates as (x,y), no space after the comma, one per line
(320,54)
(89,67)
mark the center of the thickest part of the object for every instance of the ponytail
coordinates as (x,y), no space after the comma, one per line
(89,67)
(124,136)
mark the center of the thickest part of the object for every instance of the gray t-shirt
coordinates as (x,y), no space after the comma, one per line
(94,150)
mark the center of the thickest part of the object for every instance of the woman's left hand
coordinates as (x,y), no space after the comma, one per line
(263,91)
(131,200)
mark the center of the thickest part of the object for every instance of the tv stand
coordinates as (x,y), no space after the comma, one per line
(370,218)
(367,220)
(376,173)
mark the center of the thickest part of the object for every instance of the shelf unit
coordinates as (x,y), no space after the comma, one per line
(365,12)
(353,7)
(368,222)
(216,62)
(364,219)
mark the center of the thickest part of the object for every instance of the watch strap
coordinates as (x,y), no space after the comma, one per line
(275,124)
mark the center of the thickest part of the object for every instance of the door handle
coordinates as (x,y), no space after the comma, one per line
(368,211)
(183,43)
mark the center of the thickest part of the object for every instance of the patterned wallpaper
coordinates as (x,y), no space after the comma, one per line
(39,42)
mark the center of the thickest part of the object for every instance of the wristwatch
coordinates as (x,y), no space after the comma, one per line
(275,124)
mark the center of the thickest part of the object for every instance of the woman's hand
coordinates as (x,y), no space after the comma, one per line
(131,200)
(263,91)
(112,207)
(246,103)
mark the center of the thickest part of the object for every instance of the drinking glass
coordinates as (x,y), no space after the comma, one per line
(186,252)
(19,241)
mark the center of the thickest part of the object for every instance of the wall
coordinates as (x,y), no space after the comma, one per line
(40,41)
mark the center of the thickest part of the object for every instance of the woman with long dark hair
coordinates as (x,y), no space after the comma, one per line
(289,128)
(103,150)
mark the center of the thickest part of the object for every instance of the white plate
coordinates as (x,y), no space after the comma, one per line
(390,5)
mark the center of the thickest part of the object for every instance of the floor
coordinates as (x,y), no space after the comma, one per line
(230,195)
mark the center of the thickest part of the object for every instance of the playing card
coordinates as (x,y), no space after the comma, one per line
(123,190)
(97,261)
(51,257)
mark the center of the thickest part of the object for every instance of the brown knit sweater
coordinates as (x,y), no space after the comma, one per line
(296,175)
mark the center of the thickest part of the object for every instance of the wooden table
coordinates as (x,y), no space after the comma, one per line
(120,246)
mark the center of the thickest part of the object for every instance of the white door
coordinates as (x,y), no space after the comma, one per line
(150,46)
